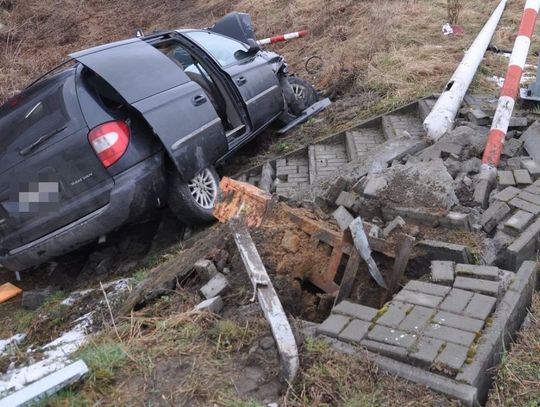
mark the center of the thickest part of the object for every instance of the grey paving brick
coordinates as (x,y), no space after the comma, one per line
(427,288)
(456,300)
(395,352)
(522,177)
(496,212)
(342,217)
(333,325)
(531,166)
(526,206)
(518,222)
(483,272)
(452,358)
(395,313)
(416,319)
(449,334)
(530,197)
(347,199)
(425,351)
(532,189)
(480,306)
(391,336)
(507,194)
(442,272)
(505,178)
(438,250)
(458,321)
(417,298)
(355,310)
(476,285)
(354,331)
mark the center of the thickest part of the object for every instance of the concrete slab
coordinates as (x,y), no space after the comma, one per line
(395,313)
(456,300)
(391,336)
(355,331)
(442,272)
(531,139)
(437,250)
(505,179)
(425,351)
(416,319)
(417,298)
(524,205)
(481,272)
(448,334)
(427,288)
(496,212)
(479,286)
(355,310)
(458,321)
(518,222)
(452,358)
(522,177)
(342,217)
(333,325)
(507,194)
(480,306)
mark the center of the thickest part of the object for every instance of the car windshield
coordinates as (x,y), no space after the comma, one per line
(37,111)
(224,49)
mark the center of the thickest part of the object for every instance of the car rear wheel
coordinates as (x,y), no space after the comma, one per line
(192,202)
(304,95)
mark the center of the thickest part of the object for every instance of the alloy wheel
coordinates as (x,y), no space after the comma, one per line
(204,189)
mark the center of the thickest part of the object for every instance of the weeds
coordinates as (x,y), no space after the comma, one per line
(103,358)
(454,8)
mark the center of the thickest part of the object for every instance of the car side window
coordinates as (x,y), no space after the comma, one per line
(224,49)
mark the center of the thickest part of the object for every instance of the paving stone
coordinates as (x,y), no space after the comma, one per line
(212,305)
(333,325)
(507,194)
(395,313)
(347,199)
(355,331)
(524,205)
(524,247)
(425,350)
(518,222)
(438,250)
(216,286)
(427,288)
(458,321)
(374,186)
(205,269)
(394,352)
(496,212)
(522,177)
(511,147)
(391,336)
(476,285)
(449,334)
(532,141)
(456,300)
(529,197)
(533,189)
(418,298)
(483,272)
(531,166)
(516,121)
(452,357)
(513,164)
(442,272)
(416,319)
(505,179)
(355,310)
(480,306)
(342,217)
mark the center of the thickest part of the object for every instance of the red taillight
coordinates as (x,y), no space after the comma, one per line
(110,141)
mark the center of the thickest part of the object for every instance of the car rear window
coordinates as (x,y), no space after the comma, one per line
(38,111)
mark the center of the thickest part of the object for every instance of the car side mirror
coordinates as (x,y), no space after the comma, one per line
(254,47)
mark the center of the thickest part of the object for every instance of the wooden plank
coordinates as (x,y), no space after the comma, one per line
(268,300)
(349,276)
(8,291)
(404,248)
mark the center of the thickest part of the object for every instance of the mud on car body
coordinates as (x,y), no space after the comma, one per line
(130,126)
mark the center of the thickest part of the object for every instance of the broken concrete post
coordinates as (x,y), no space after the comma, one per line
(46,386)
(216,286)
(268,300)
(267,177)
(441,119)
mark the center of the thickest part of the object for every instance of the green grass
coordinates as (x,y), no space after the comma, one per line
(103,358)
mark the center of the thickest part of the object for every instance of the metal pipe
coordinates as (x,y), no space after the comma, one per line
(441,118)
(509,91)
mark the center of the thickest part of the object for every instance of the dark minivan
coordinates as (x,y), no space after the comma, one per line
(129,126)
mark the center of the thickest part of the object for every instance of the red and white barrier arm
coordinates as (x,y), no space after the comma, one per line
(281,38)
(509,91)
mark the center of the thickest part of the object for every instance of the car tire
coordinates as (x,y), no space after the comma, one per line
(192,202)
(304,95)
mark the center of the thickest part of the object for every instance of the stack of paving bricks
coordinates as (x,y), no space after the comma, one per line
(451,327)
(435,325)
(514,215)
(322,159)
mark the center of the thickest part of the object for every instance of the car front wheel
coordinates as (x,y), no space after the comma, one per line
(304,95)
(192,202)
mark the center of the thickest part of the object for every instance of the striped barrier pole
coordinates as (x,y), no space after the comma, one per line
(507,100)
(281,38)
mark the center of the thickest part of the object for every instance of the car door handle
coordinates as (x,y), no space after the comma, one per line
(241,80)
(198,100)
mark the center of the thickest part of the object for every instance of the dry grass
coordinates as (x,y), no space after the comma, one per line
(518,379)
